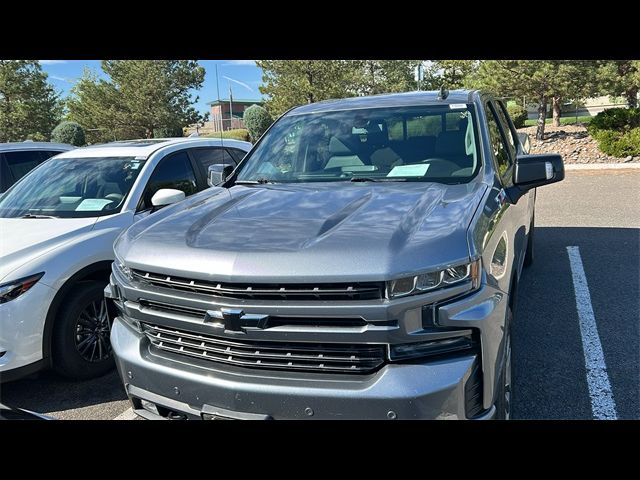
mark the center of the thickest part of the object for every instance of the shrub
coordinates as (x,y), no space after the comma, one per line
(518,115)
(618,143)
(167,132)
(69,132)
(236,134)
(616,119)
(257,120)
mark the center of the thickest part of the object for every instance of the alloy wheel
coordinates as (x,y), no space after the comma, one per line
(92,332)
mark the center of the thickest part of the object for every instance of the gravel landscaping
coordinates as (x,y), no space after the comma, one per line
(573,143)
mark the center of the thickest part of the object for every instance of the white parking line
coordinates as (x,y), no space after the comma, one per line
(128,414)
(602,404)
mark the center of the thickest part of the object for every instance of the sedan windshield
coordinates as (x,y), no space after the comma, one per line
(72,188)
(435,143)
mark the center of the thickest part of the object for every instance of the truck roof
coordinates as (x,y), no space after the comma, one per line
(405,99)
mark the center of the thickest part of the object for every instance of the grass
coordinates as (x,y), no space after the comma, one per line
(237,134)
(563,121)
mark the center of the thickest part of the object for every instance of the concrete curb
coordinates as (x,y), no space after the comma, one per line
(602,166)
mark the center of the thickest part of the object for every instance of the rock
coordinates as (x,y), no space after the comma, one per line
(628,159)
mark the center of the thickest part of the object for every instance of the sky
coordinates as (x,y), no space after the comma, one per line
(242,75)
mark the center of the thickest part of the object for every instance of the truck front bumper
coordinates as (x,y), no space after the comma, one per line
(162,388)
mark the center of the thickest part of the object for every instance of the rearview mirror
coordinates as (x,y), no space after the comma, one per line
(533,171)
(218,173)
(166,196)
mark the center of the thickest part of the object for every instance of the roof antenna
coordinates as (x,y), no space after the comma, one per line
(444,93)
(220,104)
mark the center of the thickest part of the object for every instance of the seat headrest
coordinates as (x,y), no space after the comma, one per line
(451,143)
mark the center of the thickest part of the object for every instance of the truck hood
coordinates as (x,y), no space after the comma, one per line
(308,232)
(24,239)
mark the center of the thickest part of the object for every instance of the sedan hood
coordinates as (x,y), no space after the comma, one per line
(24,239)
(308,232)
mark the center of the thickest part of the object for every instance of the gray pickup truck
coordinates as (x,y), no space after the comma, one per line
(361,262)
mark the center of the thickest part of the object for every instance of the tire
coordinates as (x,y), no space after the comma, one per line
(81,347)
(528,256)
(504,397)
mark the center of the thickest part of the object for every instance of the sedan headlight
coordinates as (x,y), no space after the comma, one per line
(426,282)
(15,288)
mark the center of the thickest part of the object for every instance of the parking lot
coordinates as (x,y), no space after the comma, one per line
(596,211)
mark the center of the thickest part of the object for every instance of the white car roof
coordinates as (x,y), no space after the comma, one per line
(12,146)
(142,148)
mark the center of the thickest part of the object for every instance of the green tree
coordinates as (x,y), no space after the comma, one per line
(371,77)
(620,78)
(257,120)
(69,132)
(29,107)
(138,98)
(454,73)
(544,80)
(288,83)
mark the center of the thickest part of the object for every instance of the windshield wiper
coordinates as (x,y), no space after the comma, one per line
(36,215)
(259,181)
(384,179)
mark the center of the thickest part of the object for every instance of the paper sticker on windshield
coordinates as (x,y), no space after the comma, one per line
(409,170)
(135,165)
(92,204)
(454,106)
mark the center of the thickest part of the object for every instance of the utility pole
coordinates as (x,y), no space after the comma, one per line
(230,107)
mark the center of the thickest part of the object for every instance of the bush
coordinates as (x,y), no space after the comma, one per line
(167,132)
(616,119)
(618,143)
(257,120)
(235,134)
(69,132)
(518,115)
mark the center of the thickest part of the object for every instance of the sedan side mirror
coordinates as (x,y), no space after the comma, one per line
(533,171)
(166,196)
(218,173)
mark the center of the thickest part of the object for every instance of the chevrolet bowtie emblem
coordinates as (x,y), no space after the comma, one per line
(235,320)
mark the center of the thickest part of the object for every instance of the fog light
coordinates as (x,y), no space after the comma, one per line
(433,347)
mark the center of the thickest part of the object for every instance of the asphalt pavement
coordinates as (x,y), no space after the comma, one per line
(599,212)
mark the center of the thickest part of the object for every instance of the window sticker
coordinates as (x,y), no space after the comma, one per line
(92,204)
(409,170)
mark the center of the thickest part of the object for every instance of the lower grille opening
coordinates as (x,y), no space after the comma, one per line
(294,356)
(473,392)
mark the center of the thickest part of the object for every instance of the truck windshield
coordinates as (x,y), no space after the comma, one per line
(434,143)
(72,188)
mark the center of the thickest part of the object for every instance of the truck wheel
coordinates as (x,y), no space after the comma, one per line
(528,257)
(504,397)
(81,347)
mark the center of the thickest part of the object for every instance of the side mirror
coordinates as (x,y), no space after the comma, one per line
(533,171)
(218,173)
(166,196)
(525,143)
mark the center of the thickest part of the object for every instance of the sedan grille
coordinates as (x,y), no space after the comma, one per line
(325,291)
(316,357)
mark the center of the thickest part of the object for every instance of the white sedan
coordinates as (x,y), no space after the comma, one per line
(57,228)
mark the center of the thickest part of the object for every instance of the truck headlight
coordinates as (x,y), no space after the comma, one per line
(15,288)
(426,282)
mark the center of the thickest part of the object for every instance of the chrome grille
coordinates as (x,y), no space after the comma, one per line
(317,357)
(324,291)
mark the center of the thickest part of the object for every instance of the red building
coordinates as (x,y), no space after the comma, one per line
(220,118)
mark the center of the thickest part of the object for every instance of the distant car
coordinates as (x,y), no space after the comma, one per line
(18,159)
(58,225)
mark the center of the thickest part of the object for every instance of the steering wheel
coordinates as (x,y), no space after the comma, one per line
(441,167)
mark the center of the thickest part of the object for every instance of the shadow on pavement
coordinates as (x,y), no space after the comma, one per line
(549,369)
(49,392)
